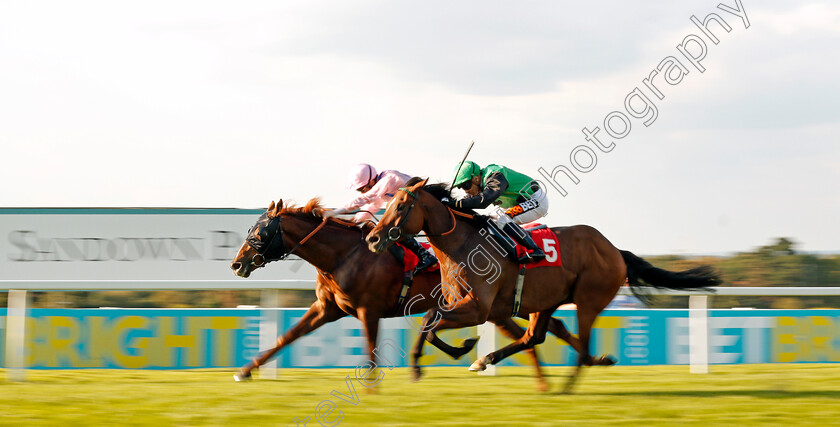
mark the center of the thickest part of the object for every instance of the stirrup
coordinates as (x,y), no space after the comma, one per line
(524,238)
(423,263)
(532,258)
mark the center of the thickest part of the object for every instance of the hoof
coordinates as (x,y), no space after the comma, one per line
(466,347)
(607,360)
(239,376)
(469,343)
(478,365)
(542,386)
(416,373)
(570,384)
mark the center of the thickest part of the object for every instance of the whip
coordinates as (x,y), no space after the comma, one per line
(459,167)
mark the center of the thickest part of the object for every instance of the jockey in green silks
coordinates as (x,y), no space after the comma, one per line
(520,198)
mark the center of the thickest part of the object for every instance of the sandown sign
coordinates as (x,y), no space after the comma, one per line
(226,338)
(130,244)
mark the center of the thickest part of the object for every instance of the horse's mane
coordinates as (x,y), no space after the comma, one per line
(441,190)
(311,208)
(314,209)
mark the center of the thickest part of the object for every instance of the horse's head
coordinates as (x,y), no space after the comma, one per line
(404,216)
(263,244)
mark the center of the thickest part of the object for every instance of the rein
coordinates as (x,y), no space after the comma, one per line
(452,213)
(318,228)
(396,226)
(302,241)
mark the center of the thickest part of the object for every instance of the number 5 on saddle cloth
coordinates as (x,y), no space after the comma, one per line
(540,233)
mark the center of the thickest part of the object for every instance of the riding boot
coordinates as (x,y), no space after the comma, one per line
(426,259)
(524,238)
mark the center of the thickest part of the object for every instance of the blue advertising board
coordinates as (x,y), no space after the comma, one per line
(221,338)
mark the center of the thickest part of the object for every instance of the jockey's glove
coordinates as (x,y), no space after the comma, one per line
(449,202)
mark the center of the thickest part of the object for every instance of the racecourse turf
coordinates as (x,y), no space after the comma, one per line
(796,394)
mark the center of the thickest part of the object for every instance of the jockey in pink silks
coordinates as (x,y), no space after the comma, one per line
(377,190)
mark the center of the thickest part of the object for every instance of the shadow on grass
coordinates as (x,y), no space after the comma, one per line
(764,394)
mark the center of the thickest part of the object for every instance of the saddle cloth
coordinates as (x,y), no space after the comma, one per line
(410,260)
(545,239)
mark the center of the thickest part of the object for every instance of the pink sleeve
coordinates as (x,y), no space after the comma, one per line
(373,207)
(362,217)
(377,197)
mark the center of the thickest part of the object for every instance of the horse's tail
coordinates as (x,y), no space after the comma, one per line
(642,273)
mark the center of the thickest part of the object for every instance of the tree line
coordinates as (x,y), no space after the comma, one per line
(777,264)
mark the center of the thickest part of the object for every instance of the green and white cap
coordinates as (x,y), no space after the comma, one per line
(466,172)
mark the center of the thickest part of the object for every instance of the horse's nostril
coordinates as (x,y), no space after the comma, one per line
(235,265)
(373,239)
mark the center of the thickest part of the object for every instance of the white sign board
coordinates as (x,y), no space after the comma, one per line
(132,245)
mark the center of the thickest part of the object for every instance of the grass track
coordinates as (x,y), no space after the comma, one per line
(661,395)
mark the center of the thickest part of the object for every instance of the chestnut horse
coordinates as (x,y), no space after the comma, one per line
(351,280)
(591,273)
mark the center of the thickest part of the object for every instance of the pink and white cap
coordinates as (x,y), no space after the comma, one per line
(360,176)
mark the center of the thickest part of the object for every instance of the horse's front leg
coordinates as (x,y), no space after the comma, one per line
(370,321)
(513,331)
(451,351)
(319,313)
(466,313)
(534,335)
(417,350)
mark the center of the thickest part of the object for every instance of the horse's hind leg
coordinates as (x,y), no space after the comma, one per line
(586,314)
(513,331)
(586,318)
(558,328)
(319,313)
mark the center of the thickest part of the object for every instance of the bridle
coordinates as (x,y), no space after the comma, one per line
(272,228)
(274,232)
(395,232)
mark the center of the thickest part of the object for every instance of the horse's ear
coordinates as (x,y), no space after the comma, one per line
(270,207)
(420,184)
(278,207)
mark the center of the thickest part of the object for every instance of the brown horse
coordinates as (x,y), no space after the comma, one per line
(591,274)
(351,280)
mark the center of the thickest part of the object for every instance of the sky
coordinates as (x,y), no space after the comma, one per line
(223,104)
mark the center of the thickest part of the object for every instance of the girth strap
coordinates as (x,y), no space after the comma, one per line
(517,296)
(408,280)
